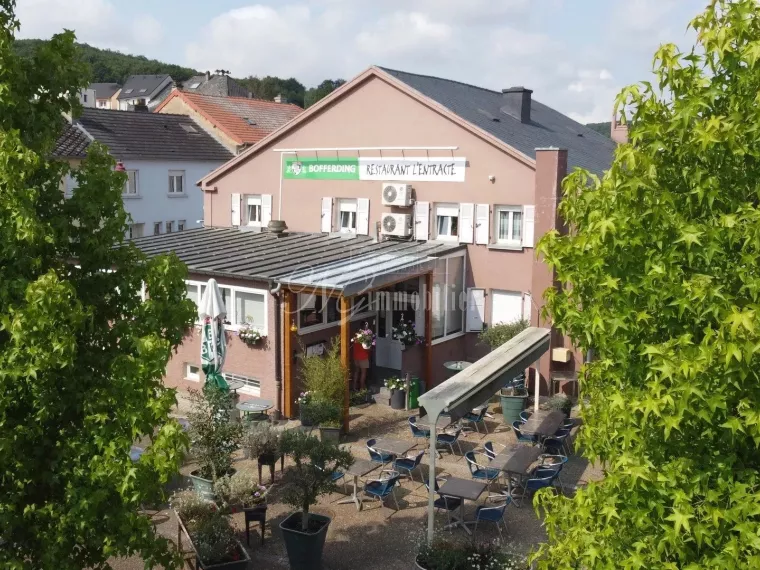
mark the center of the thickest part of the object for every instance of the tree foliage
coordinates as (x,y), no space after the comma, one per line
(269,87)
(321,91)
(81,356)
(601,128)
(661,263)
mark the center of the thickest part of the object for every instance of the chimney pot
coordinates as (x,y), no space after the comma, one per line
(279,99)
(517,101)
(208,75)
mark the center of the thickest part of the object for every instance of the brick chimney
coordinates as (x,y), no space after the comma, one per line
(208,75)
(618,130)
(517,103)
(280,99)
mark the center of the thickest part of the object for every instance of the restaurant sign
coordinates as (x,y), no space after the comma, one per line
(405,169)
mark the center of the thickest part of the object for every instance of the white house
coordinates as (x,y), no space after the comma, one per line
(163,155)
(87,97)
(106,95)
(150,89)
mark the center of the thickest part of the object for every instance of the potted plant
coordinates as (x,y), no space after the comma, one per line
(513,399)
(397,386)
(304,401)
(365,337)
(250,335)
(496,335)
(404,332)
(561,403)
(325,379)
(360,398)
(263,443)
(213,438)
(310,476)
(242,492)
(448,554)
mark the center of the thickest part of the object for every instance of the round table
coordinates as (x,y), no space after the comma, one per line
(257,407)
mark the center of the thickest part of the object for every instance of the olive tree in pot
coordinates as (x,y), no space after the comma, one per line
(262,442)
(314,462)
(213,438)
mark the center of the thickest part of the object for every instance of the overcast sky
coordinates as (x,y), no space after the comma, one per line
(574,54)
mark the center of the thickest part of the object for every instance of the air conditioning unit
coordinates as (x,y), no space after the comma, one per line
(397,225)
(397,194)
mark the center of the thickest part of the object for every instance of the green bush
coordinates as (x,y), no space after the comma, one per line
(497,335)
(213,437)
(325,376)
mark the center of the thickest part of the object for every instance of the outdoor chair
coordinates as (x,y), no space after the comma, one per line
(489,450)
(524,437)
(337,476)
(557,443)
(477,419)
(450,439)
(492,514)
(448,504)
(481,472)
(418,432)
(556,462)
(541,478)
(381,488)
(409,464)
(525,415)
(378,456)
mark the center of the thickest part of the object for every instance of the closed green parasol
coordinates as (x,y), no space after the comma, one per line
(212,313)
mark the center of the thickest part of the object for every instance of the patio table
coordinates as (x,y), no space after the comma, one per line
(543,423)
(516,460)
(395,446)
(359,468)
(257,407)
(465,489)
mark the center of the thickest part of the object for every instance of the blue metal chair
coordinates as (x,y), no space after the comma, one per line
(525,415)
(541,478)
(408,464)
(381,488)
(492,514)
(444,502)
(557,443)
(418,432)
(337,476)
(556,462)
(477,419)
(524,437)
(480,472)
(378,456)
(489,450)
(449,439)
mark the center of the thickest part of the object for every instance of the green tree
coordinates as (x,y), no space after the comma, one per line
(314,94)
(661,263)
(269,87)
(81,356)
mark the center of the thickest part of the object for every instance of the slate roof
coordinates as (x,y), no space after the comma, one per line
(72,143)
(141,135)
(246,121)
(216,85)
(139,82)
(104,90)
(547,128)
(232,252)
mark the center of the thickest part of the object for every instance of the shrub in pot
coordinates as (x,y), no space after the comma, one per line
(263,443)
(561,403)
(213,438)
(242,492)
(314,461)
(448,554)
(328,416)
(360,398)
(397,386)
(496,335)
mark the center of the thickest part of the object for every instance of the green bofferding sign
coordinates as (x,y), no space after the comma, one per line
(322,168)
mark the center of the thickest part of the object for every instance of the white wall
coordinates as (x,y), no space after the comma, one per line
(153,202)
(87,97)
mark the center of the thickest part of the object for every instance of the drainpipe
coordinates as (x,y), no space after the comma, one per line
(275,292)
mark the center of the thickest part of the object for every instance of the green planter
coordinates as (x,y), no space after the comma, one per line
(329,434)
(241,564)
(304,548)
(204,488)
(511,406)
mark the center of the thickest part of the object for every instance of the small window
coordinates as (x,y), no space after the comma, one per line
(192,372)
(347,216)
(135,231)
(194,86)
(131,187)
(169,227)
(176,182)
(189,128)
(143,90)
(128,91)
(509,225)
(252,212)
(447,221)
(181,225)
(317,310)
(156,228)
(84,97)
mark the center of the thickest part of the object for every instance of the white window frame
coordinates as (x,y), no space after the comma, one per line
(449,211)
(169,226)
(461,332)
(181,225)
(175,175)
(372,312)
(190,375)
(135,176)
(511,210)
(350,206)
(231,300)
(157,228)
(131,230)
(515,294)
(255,200)
(251,386)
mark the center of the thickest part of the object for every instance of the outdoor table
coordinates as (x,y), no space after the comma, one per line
(256,406)
(359,468)
(442,423)
(465,489)
(516,460)
(395,446)
(543,423)
(235,385)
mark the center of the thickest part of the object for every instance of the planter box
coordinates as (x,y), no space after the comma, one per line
(304,548)
(241,564)
(398,399)
(329,434)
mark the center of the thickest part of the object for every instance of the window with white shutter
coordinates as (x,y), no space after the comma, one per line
(235,210)
(466,222)
(527,307)
(506,307)
(529,222)
(362,216)
(476,309)
(481,224)
(422,221)
(327,204)
(266,209)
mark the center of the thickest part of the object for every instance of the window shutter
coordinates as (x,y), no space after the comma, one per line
(419,310)
(481,224)
(266,209)
(235,209)
(362,216)
(527,307)
(422,221)
(476,309)
(506,307)
(529,222)
(327,204)
(466,219)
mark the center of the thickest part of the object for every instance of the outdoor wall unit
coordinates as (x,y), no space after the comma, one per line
(561,354)
(397,194)
(399,225)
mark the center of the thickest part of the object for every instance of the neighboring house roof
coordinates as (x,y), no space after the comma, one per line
(147,136)
(159,97)
(244,120)
(217,85)
(105,90)
(547,128)
(72,143)
(141,86)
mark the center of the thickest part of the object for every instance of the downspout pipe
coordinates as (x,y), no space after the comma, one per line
(274,290)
